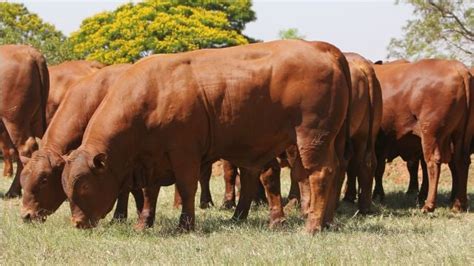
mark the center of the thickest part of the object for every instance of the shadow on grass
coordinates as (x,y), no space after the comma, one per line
(401,201)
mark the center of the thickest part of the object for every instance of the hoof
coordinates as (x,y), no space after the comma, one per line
(379,196)
(349,199)
(277,223)
(228,205)
(206,205)
(459,208)
(427,209)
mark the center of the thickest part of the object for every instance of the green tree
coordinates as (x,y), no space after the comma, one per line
(133,31)
(19,26)
(440,28)
(291,33)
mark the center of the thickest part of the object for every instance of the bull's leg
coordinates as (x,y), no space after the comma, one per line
(177,202)
(260,197)
(270,179)
(7,163)
(351,187)
(338,179)
(249,180)
(186,167)
(146,218)
(205,177)
(461,161)
(412,166)
(19,143)
(8,151)
(294,194)
(319,159)
(230,175)
(121,210)
(424,183)
(432,155)
(15,189)
(379,170)
(454,183)
(139,200)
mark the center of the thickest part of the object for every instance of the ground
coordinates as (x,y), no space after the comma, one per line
(398,233)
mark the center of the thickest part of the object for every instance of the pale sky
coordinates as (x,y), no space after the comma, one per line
(364,27)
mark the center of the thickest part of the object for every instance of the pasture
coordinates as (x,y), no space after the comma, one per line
(396,233)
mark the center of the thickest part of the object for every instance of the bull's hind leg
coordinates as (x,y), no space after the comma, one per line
(249,179)
(432,154)
(270,179)
(461,162)
(147,215)
(319,160)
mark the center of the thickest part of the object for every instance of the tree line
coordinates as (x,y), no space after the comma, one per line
(134,30)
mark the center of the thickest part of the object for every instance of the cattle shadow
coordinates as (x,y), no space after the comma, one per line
(401,201)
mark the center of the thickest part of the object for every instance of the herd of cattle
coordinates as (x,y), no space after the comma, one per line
(107,131)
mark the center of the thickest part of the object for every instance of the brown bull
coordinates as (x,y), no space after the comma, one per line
(41,177)
(24,86)
(62,77)
(366,116)
(427,114)
(172,113)
(413,166)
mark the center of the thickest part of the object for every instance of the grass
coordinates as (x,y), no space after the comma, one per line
(396,234)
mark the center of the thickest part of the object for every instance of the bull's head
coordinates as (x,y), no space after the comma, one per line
(90,186)
(41,182)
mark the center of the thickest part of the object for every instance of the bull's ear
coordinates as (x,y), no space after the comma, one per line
(99,161)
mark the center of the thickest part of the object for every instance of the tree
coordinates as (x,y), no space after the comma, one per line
(133,31)
(291,33)
(441,28)
(19,26)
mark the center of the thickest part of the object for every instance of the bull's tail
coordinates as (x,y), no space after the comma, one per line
(375,98)
(44,90)
(468,80)
(348,151)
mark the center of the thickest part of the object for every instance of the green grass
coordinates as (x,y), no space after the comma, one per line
(396,234)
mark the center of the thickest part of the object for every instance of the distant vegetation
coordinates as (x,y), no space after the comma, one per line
(442,29)
(291,33)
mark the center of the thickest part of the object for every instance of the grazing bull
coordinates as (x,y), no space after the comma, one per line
(427,114)
(62,77)
(366,116)
(246,104)
(24,86)
(41,177)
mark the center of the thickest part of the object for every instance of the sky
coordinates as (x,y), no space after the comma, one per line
(364,27)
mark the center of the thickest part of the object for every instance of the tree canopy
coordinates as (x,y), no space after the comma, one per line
(133,31)
(440,29)
(291,33)
(19,26)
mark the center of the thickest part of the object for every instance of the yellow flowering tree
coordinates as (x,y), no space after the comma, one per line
(133,31)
